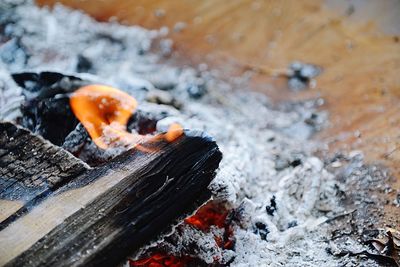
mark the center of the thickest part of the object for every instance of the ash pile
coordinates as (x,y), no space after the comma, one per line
(274,202)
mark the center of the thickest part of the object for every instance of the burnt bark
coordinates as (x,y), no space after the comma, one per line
(29,164)
(156,189)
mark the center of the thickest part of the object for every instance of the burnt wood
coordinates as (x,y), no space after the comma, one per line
(106,213)
(31,168)
(29,164)
(46,110)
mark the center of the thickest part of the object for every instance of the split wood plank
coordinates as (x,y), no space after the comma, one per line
(106,213)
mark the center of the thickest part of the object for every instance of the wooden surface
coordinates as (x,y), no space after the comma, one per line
(356,42)
(103,214)
(30,167)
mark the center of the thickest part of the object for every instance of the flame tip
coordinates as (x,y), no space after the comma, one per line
(105,111)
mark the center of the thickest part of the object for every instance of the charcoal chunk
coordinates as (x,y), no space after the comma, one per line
(46,110)
(271,208)
(301,75)
(84,64)
(76,139)
(295,162)
(292,224)
(144,122)
(47,84)
(262,230)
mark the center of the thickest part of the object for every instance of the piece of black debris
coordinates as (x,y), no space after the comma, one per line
(262,230)
(301,75)
(271,208)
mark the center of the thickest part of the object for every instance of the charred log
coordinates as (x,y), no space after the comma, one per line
(46,109)
(31,168)
(30,165)
(108,212)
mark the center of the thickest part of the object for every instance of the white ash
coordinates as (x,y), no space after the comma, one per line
(265,156)
(10,96)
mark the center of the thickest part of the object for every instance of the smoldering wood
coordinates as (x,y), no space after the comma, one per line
(106,213)
(47,83)
(46,110)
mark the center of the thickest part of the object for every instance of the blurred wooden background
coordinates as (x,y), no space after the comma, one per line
(356,42)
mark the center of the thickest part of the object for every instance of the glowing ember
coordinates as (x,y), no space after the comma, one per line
(104,111)
(213,214)
(160,260)
(207,216)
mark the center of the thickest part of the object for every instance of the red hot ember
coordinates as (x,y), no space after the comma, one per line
(214,214)
(161,260)
(210,215)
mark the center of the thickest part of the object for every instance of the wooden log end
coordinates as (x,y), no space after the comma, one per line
(119,207)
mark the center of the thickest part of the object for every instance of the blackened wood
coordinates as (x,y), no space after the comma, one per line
(152,191)
(46,84)
(29,164)
(46,110)
(30,169)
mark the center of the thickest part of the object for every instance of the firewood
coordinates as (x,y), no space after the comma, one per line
(106,213)
(32,161)
(30,167)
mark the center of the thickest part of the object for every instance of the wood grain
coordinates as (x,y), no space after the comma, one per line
(23,159)
(106,213)
(30,168)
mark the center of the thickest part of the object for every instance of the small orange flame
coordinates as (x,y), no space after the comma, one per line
(175,130)
(104,111)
